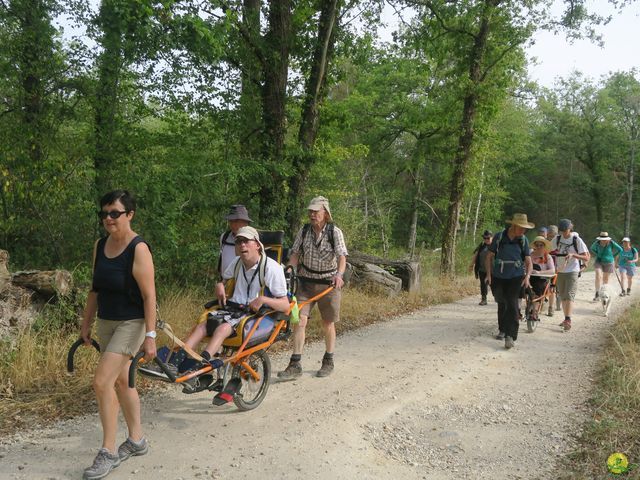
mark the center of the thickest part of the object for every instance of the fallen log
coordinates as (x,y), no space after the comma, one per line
(407,271)
(48,283)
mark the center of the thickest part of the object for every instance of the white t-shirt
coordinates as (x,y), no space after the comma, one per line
(228,252)
(273,280)
(565,245)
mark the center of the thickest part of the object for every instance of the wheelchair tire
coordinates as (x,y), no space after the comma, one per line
(532,323)
(252,392)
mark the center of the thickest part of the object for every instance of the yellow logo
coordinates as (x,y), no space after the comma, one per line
(618,463)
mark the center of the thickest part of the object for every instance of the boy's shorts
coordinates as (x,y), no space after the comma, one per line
(567,285)
(120,336)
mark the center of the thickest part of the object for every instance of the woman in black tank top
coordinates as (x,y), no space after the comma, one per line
(124,298)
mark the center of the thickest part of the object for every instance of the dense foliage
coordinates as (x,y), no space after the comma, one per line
(419,143)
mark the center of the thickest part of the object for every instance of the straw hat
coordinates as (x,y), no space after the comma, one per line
(547,243)
(520,220)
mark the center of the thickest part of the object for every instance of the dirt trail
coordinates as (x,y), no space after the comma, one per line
(430,395)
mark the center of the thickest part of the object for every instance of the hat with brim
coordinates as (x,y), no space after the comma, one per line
(238,212)
(319,203)
(603,236)
(520,220)
(250,233)
(547,243)
(626,239)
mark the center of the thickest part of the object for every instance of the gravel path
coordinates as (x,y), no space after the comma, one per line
(431,395)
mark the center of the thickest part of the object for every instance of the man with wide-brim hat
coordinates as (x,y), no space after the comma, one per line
(604,250)
(237,218)
(570,252)
(508,270)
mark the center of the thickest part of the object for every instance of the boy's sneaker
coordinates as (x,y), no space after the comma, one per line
(566,325)
(129,448)
(326,369)
(104,462)
(152,369)
(293,371)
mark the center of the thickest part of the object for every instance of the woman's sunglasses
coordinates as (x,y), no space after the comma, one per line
(538,245)
(112,214)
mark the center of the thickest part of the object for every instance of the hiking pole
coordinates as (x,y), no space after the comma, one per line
(615,270)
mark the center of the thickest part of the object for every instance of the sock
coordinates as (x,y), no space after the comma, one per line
(139,443)
(567,319)
(327,356)
(206,355)
(296,358)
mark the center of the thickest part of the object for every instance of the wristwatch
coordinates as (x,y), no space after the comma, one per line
(151,334)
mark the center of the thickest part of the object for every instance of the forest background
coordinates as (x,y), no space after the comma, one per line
(419,142)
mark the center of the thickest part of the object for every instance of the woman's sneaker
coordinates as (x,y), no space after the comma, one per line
(104,462)
(129,448)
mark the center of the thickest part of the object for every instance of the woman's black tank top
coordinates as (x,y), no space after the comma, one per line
(119,296)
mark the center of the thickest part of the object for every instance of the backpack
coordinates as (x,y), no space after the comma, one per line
(223,242)
(574,244)
(330,237)
(501,241)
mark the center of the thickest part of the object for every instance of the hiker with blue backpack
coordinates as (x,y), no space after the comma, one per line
(508,271)
(627,260)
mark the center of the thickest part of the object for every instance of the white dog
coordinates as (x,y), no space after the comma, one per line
(605,298)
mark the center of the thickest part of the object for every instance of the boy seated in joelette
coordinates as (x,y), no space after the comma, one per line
(244,270)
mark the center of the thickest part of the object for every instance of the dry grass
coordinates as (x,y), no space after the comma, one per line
(615,407)
(34,386)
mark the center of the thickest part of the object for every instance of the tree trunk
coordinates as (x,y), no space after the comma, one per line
(110,65)
(274,96)
(477,214)
(5,276)
(413,228)
(314,95)
(250,106)
(465,142)
(630,180)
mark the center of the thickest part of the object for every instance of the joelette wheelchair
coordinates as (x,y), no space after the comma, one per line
(245,374)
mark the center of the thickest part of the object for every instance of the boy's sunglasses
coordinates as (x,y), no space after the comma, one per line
(112,214)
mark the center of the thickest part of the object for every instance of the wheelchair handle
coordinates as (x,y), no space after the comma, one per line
(133,367)
(72,352)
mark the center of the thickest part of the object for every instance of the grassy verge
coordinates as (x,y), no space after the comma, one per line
(614,425)
(35,389)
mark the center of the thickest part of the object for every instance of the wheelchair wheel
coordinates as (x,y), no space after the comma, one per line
(530,308)
(252,392)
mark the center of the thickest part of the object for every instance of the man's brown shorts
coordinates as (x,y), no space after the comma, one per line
(121,336)
(329,305)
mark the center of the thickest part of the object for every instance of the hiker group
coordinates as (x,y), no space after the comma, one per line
(508,264)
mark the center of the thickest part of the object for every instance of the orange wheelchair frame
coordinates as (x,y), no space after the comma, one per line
(534,304)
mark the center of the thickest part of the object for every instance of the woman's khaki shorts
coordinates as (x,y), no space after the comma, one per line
(605,267)
(567,285)
(121,336)
(329,305)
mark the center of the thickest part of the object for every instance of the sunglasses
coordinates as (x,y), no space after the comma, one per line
(240,241)
(538,244)
(112,214)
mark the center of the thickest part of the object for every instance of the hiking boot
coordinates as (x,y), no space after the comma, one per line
(500,336)
(566,325)
(595,298)
(550,312)
(628,291)
(326,368)
(622,294)
(483,301)
(293,371)
(152,369)
(508,342)
(129,448)
(104,462)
